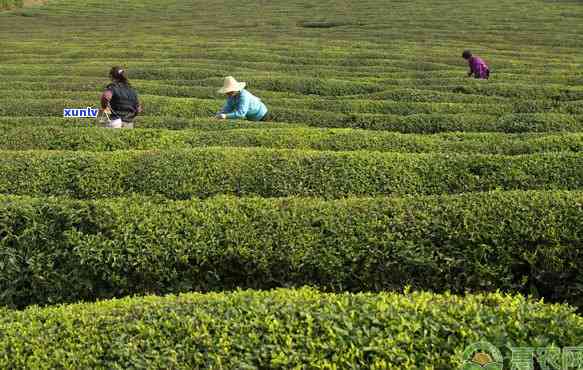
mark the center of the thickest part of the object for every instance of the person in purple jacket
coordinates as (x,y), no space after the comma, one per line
(478,67)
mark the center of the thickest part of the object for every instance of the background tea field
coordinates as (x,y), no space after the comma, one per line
(385,171)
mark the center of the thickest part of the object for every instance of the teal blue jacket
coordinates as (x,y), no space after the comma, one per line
(244,106)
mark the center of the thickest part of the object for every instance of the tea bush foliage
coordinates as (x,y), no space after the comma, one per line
(59,250)
(205,172)
(300,328)
(383,169)
(95,139)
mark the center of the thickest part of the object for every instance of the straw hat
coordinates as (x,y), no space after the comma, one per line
(230,84)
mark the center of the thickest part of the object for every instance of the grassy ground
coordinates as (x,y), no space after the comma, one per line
(348,83)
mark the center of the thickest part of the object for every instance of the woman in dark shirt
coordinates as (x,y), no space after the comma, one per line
(120,99)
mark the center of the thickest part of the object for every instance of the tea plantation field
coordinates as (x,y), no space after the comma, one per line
(392,212)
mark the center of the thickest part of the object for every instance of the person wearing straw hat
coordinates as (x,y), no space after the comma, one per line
(241,104)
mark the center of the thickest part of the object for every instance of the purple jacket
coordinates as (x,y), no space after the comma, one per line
(478,68)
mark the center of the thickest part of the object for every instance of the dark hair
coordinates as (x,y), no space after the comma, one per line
(467,54)
(119,74)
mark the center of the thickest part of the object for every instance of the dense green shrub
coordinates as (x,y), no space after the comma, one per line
(348,106)
(280,329)
(521,91)
(410,94)
(435,122)
(397,70)
(204,100)
(165,122)
(56,250)
(411,117)
(201,92)
(573,107)
(182,174)
(169,73)
(416,123)
(7,4)
(315,86)
(95,139)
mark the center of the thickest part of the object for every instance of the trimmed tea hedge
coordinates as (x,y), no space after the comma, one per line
(166,122)
(183,174)
(8,4)
(347,106)
(307,86)
(208,103)
(56,250)
(520,91)
(410,94)
(433,123)
(280,329)
(95,139)
(405,117)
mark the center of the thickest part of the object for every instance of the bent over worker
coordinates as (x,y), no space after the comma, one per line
(121,99)
(241,104)
(478,68)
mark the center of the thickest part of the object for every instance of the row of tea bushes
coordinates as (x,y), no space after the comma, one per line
(205,172)
(208,97)
(161,122)
(181,100)
(9,4)
(57,250)
(434,123)
(96,139)
(283,328)
(414,123)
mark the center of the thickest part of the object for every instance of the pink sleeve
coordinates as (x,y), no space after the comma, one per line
(105,98)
